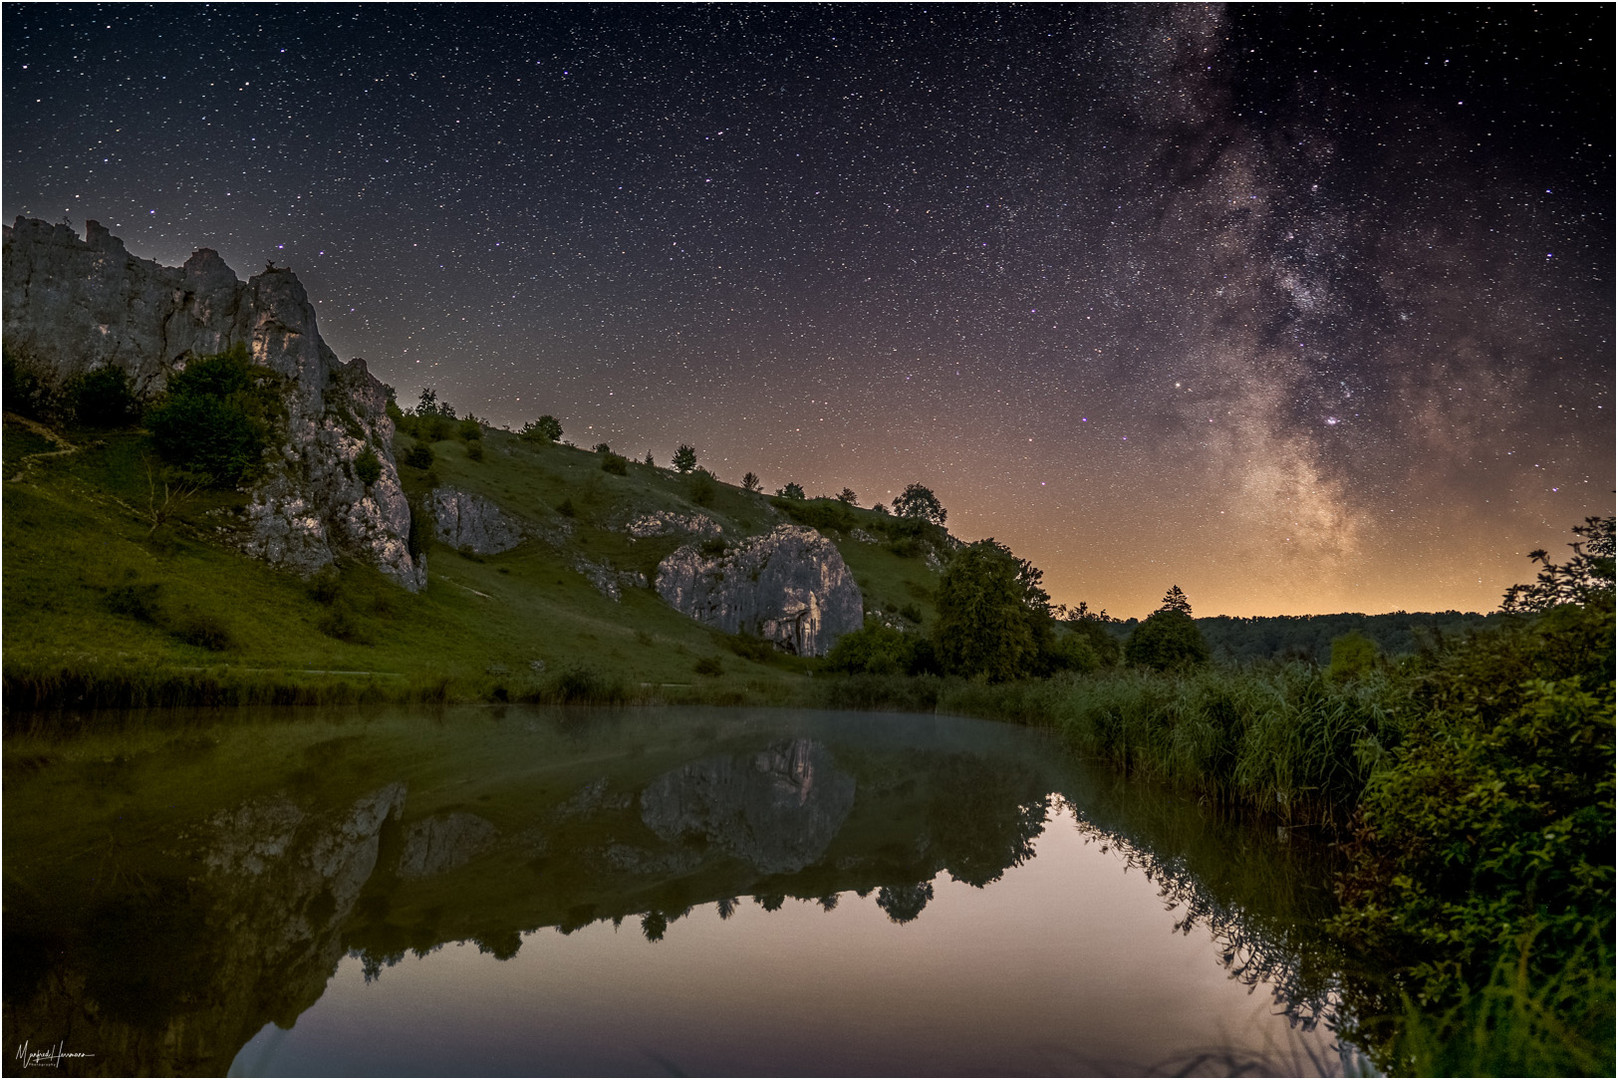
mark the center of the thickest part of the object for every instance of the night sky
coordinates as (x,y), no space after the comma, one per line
(1302,309)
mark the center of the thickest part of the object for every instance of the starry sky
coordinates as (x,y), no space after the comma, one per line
(1304,309)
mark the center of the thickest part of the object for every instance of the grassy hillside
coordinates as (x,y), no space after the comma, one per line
(103,608)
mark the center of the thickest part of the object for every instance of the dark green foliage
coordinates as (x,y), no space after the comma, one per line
(713,547)
(203,629)
(566,508)
(1175,600)
(792,490)
(702,489)
(613,463)
(103,398)
(911,612)
(1108,649)
(649,463)
(430,408)
(469,430)
(874,649)
(992,614)
(752,648)
(685,458)
(368,467)
(218,417)
(136,599)
(847,497)
(419,456)
(1167,641)
(1236,639)
(474,450)
(423,523)
(1585,578)
(26,390)
(582,685)
(547,429)
(709,665)
(601,448)
(917,501)
(1352,656)
(826,515)
(750,482)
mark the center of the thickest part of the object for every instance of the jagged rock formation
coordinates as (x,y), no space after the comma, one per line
(789,586)
(441,843)
(73,305)
(670,523)
(607,581)
(777,809)
(472,523)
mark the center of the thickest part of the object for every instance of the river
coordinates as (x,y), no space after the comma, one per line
(515,891)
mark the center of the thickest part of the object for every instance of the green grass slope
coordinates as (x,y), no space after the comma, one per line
(101,608)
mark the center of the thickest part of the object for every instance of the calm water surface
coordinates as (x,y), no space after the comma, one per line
(672,891)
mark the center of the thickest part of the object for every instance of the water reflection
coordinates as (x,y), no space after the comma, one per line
(168,896)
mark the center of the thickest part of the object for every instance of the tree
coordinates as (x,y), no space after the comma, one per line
(650,464)
(750,482)
(547,429)
(1175,600)
(919,502)
(846,496)
(1167,641)
(219,417)
(792,490)
(103,398)
(685,458)
(1584,577)
(430,406)
(991,610)
(880,508)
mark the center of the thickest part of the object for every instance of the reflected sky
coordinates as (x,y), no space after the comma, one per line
(1070,964)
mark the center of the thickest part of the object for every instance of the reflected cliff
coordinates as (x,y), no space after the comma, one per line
(172,889)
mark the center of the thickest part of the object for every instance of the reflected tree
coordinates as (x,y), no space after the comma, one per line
(904,903)
(654,924)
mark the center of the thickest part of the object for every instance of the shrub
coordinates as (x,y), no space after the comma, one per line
(26,389)
(343,624)
(701,488)
(219,417)
(419,456)
(751,648)
(469,430)
(1352,656)
(791,490)
(104,398)
(136,599)
(709,665)
(474,449)
(368,467)
(750,482)
(566,509)
(685,458)
(203,629)
(874,649)
(713,547)
(547,429)
(600,448)
(613,463)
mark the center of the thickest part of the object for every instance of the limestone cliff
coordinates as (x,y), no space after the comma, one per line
(789,586)
(73,305)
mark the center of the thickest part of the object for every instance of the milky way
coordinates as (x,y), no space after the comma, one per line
(1304,310)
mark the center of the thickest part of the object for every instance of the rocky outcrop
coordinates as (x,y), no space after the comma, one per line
(608,582)
(777,809)
(472,523)
(789,586)
(74,305)
(670,523)
(442,843)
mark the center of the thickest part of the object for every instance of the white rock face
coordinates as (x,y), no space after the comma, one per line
(789,586)
(72,305)
(670,523)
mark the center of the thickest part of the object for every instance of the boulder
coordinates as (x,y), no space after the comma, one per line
(789,586)
(73,305)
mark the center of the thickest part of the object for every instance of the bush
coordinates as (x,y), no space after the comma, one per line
(219,417)
(792,490)
(368,467)
(685,458)
(104,398)
(136,599)
(469,430)
(547,429)
(474,450)
(701,488)
(615,464)
(566,508)
(713,547)
(874,649)
(203,629)
(419,456)
(709,665)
